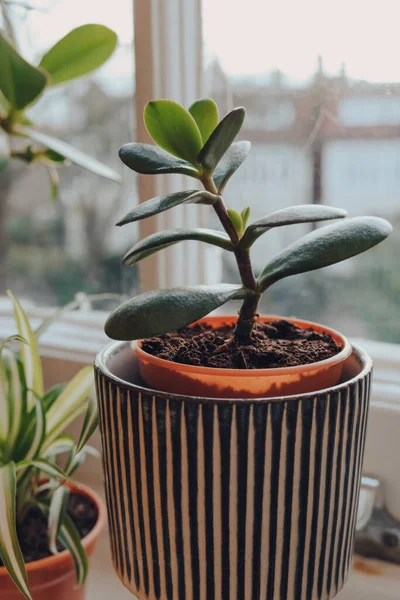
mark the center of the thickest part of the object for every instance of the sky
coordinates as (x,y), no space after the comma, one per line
(251,37)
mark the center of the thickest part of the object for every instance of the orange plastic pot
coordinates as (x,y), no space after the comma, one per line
(208,382)
(54,578)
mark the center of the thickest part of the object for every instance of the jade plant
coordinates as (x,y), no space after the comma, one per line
(32,438)
(196,143)
(80,52)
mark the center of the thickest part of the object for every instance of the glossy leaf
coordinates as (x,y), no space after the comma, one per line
(304,213)
(29,353)
(236,221)
(221,139)
(326,246)
(174,129)
(152,160)
(73,154)
(10,551)
(162,203)
(20,82)
(159,241)
(160,311)
(57,512)
(205,113)
(80,52)
(230,162)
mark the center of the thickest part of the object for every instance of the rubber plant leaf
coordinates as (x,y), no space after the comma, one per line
(326,246)
(80,52)
(29,353)
(73,154)
(230,162)
(221,139)
(160,240)
(162,203)
(205,113)
(20,82)
(152,160)
(304,213)
(160,311)
(10,551)
(174,129)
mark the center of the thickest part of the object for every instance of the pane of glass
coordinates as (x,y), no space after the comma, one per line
(321,90)
(57,247)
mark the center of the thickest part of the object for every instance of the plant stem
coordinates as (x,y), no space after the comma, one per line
(248,312)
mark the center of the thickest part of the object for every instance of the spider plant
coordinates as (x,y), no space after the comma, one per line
(32,436)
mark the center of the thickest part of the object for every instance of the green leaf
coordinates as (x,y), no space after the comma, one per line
(20,82)
(221,139)
(54,182)
(64,443)
(73,154)
(4,149)
(162,203)
(80,52)
(89,424)
(158,241)
(51,395)
(10,551)
(236,221)
(46,467)
(17,397)
(174,129)
(29,353)
(245,214)
(326,246)
(69,405)
(70,537)
(160,311)
(39,427)
(230,162)
(304,213)
(4,405)
(152,160)
(205,113)
(75,461)
(57,512)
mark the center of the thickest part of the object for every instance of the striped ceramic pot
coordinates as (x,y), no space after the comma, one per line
(228,500)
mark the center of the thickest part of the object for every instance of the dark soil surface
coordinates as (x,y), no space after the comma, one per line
(32,533)
(275,344)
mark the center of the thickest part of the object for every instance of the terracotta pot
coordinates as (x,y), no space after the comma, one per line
(231,498)
(167,376)
(54,578)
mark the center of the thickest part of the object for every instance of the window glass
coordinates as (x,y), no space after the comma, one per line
(321,85)
(57,247)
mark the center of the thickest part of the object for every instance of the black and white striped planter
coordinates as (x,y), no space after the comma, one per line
(229,500)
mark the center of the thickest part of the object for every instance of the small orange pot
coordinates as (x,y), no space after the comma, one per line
(54,578)
(208,382)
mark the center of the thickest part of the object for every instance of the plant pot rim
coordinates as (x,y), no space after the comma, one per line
(276,371)
(51,561)
(113,348)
